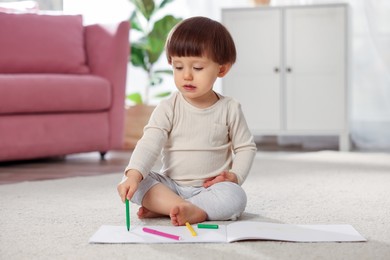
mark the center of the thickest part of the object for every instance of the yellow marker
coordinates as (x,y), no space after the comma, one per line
(193,233)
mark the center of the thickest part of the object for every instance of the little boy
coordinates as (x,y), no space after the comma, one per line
(207,149)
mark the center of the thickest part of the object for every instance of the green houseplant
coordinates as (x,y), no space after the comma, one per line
(146,50)
(152,29)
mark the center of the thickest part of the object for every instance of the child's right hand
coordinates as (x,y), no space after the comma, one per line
(127,187)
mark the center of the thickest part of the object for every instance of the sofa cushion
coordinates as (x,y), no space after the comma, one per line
(43,135)
(48,93)
(33,43)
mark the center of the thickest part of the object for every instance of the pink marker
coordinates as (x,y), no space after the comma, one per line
(159,233)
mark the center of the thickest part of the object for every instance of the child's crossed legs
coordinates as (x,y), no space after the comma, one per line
(160,195)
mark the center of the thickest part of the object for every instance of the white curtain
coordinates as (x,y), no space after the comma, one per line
(370,117)
(370,71)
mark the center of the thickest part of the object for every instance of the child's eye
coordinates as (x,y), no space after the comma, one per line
(178,68)
(198,68)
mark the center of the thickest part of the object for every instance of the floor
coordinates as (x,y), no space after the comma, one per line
(89,164)
(84,164)
(55,219)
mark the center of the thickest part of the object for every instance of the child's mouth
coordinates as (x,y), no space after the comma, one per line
(189,87)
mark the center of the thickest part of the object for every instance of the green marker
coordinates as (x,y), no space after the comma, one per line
(127,215)
(208,226)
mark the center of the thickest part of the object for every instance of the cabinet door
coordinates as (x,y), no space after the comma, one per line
(253,80)
(315,44)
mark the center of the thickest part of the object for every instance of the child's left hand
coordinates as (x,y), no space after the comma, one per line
(224,176)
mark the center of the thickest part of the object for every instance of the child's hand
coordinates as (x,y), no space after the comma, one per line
(127,187)
(224,176)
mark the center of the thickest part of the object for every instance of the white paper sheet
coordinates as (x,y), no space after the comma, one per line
(236,231)
(119,234)
(295,233)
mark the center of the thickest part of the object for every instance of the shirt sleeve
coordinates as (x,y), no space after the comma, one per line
(154,138)
(243,145)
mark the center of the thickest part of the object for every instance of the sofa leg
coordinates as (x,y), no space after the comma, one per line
(102,154)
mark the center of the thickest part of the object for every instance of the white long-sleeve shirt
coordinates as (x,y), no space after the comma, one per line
(195,143)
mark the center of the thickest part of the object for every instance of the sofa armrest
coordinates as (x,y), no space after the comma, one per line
(107,48)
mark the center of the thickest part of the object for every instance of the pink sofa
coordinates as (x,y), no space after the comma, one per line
(62,86)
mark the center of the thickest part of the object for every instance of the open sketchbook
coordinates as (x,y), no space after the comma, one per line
(236,231)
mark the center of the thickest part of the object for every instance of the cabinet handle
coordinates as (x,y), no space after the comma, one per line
(276,70)
(289,70)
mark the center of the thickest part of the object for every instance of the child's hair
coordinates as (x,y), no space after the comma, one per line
(201,36)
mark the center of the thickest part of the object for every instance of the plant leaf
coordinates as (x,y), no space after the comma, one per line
(168,72)
(135,98)
(163,94)
(164,3)
(145,7)
(155,80)
(135,23)
(157,36)
(137,57)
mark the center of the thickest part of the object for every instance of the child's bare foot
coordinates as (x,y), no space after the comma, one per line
(186,212)
(145,213)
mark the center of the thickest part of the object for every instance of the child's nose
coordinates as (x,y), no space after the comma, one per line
(187,75)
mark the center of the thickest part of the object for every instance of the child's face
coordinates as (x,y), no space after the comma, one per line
(195,77)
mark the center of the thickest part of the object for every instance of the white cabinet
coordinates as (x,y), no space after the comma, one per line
(291,74)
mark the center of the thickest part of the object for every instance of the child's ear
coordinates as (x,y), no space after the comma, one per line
(224,69)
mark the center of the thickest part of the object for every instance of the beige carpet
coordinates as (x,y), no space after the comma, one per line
(55,219)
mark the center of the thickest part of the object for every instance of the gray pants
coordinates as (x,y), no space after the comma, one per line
(221,201)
